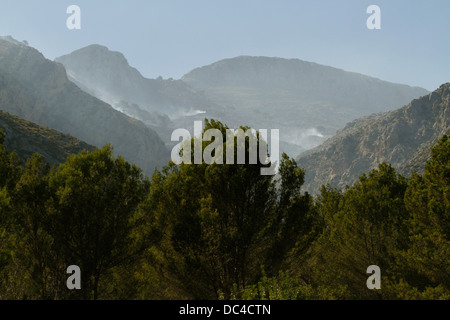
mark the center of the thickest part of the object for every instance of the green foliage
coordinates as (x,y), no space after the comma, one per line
(10,172)
(96,197)
(281,287)
(26,138)
(83,213)
(295,224)
(215,216)
(2,137)
(285,287)
(362,227)
(428,201)
(30,221)
(10,169)
(212,231)
(221,222)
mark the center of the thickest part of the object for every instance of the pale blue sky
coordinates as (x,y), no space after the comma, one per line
(171,37)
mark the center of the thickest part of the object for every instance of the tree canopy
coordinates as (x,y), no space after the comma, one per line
(219,231)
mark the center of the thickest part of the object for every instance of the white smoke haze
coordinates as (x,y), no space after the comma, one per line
(188,113)
(305,138)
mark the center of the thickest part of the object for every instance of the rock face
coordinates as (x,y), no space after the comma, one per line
(27,137)
(402,137)
(107,75)
(161,104)
(308,102)
(38,90)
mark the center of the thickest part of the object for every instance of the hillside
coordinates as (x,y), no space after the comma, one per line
(26,138)
(308,102)
(38,90)
(402,137)
(162,104)
(107,75)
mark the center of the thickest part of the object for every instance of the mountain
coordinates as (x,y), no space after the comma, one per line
(159,103)
(14,41)
(38,90)
(27,137)
(107,75)
(402,137)
(308,102)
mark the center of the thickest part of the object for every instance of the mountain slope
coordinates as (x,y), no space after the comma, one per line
(38,90)
(402,137)
(26,138)
(306,101)
(162,105)
(107,75)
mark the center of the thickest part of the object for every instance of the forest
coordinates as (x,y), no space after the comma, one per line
(210,231)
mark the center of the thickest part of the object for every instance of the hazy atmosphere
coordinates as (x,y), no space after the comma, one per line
(170,38)
(225,150)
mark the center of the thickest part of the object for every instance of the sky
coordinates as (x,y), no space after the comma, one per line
(169,38)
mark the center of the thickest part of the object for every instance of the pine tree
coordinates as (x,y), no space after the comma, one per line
(92,214)
(428,201)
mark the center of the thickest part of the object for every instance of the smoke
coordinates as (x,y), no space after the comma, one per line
(191,113)
(175,114)
(305,138)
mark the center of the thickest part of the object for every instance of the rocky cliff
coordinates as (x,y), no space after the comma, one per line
(402,137)
(38,90)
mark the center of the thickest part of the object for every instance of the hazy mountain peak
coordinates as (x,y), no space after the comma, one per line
(100,54)
(14,41)
(107,75)
(276,71)
(38,90)
(95,47)
(99,60)
(307,101)
(101,72)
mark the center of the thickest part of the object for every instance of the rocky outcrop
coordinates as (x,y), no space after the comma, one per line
(402,137)
(38,90)
(107,75)
(308,102)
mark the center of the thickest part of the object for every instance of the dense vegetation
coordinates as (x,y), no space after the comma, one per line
(26,138)
(219,231)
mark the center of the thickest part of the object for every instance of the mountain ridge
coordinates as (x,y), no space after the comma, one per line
(108,71)
(402,137)
(37,89)
(305,100)
(294,60)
